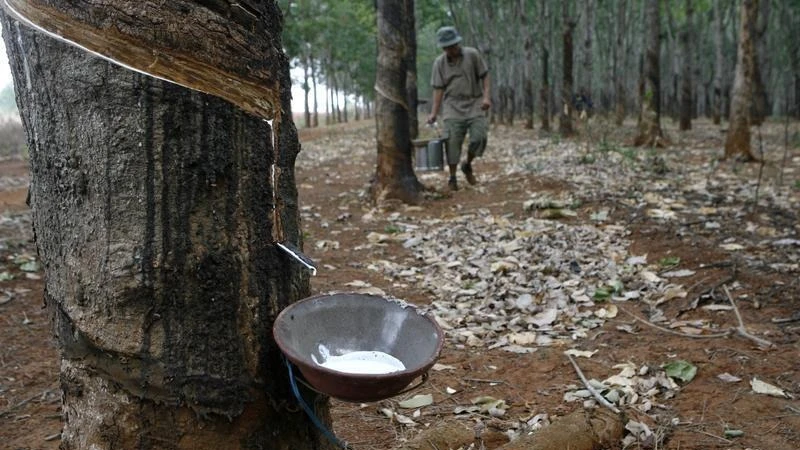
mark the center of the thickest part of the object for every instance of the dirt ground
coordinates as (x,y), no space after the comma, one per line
(701,415)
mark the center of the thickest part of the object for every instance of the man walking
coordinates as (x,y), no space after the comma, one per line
(460,81)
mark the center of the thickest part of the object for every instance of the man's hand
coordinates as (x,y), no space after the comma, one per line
(486,104)
(431,119)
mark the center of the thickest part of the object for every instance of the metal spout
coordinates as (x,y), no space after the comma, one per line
(295,253)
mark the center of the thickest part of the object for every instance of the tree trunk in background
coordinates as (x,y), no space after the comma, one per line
(568,28)
(761,59)
(315,119)
(687,41)
(544,92)
(155,209)
(588,67)
(719,63)
(411,72)
(669,101)
(344,108)
(527,68)
(620,60)
(650,133)
(306,91)
(794,58)
(394,176)
(737,143)
(329,107)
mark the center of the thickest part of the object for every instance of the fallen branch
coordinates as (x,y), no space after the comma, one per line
(741,330)
(602,400)
(676,333)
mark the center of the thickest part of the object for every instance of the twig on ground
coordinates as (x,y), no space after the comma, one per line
(483,380)
(677,333)
(713,288)
(432,444)
(715,265)
(594,392)
(794,318)
(18,405)
(741,330)
(714,436)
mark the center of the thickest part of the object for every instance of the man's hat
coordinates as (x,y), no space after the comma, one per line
(447,36)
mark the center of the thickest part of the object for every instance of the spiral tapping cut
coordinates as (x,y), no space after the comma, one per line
(240,74)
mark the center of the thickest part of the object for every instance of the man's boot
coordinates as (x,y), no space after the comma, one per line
(467,169)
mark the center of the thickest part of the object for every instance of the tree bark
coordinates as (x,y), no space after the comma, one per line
(760,96)
(794,58)
(568,24)
(737,142)
(315,118)
(394,177)
(649,133)
(687,42)
(411,71)
(544,92)
(588,64)
(306,90)
(620,60)
(155,209)
(527,68)
(719,63)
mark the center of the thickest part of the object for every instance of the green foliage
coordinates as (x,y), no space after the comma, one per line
(429,16)
(669,261)
(392,229)
(588,158)
(681,370)
(335,40)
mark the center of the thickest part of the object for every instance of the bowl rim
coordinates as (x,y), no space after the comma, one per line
(300,362)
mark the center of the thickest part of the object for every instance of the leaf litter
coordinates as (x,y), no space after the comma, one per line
(537,277)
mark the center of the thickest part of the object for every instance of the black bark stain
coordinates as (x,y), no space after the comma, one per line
(148,251)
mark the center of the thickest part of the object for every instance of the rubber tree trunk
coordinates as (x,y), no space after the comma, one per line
(687,41)
(544,92)
(761,103)
(737,142)
(394,176)
(411,71)
(527,68)
(719,62)
(620,62)
(155,209)
(587,63)
(568,29)
(649,133)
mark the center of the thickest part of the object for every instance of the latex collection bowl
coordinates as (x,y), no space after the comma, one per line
(310,330)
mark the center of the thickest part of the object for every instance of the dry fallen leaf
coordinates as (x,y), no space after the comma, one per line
(581,353)
(417,401)
(761,387)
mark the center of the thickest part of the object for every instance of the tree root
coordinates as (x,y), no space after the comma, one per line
(592,429)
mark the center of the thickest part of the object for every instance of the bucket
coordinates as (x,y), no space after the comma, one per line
(315,329)
(429,154)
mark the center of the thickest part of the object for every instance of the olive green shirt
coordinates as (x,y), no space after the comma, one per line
(461,80)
